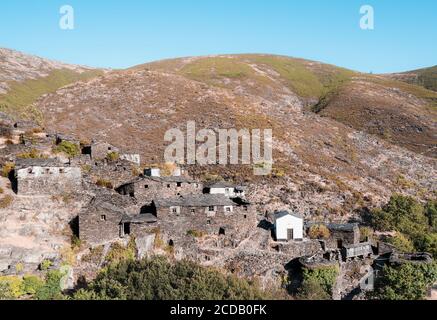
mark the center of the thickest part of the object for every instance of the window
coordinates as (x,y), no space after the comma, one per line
(175,210)
(179,184)
(61,170)
(168,186)
(245,216)
(228,209)
(146,186)
(208,221)
(103,217)
(193,210)
(211,209)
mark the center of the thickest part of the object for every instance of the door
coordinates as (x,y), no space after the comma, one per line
(290,234)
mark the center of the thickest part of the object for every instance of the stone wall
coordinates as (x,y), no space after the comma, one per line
(94,229)
(145,190)
(48,180)
(233,225)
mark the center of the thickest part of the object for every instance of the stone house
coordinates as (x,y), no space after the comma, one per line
(45,177)
(147,188)
(288,226)
(226,188)
(204,214)
(111,217)
(343,235)
(98,150)
(340,235)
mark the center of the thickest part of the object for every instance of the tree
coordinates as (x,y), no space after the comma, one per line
(158,279)
(406,282)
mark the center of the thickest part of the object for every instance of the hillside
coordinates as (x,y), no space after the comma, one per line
(320,164)
(403,114)
(24,78)
(426,77)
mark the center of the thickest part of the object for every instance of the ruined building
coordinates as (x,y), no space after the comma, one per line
(45,177)
(226,188)
(146,188)
(109,217)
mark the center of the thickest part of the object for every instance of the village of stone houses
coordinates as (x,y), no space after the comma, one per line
(75,211)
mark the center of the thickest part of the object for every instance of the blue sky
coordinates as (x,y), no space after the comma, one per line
(118,34)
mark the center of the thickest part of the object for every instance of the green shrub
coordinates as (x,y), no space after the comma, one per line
(51,290)
(319,231)
(406,282)
(68,148)
(7,168)
(158,279)
(195,233)
(401,243)
(45,265)
(366,233)
(326,276)
(414,222)
(431,214)
(119,253)
(31,284)
(112,156)
(12,287)
(312,290)
(105,184)
(75,242)
(32,154)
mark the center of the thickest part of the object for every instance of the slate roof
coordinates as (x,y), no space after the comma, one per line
(346,227)
(282,214)
(339,227)
(143,179)
(203,200)
(141,218)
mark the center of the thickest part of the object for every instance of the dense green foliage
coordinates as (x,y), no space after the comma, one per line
(15,287)
(406,282)
(158,279)
(318,283)
(70,149)
(414,222)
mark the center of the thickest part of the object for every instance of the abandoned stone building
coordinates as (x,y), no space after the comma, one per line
(109,217)
(98,150)
(147,188)
(204,214)
(340,234)
(45,177)
(359,250)
(228,189)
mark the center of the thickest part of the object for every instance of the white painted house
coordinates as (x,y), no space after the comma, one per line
(227,189)
(288,226)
